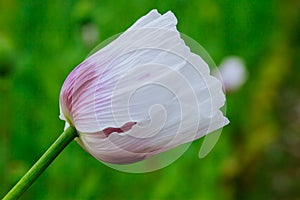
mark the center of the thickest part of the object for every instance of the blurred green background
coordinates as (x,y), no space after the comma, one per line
(258,154)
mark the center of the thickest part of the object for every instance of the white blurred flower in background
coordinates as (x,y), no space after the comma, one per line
(90,34)
(232,72)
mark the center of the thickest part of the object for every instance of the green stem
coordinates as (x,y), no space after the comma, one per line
(39,167)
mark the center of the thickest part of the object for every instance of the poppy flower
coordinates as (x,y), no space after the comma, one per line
(142,94)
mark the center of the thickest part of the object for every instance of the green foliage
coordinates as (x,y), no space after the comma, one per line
(257,156)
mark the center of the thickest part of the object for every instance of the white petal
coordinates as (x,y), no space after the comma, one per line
(147,76)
